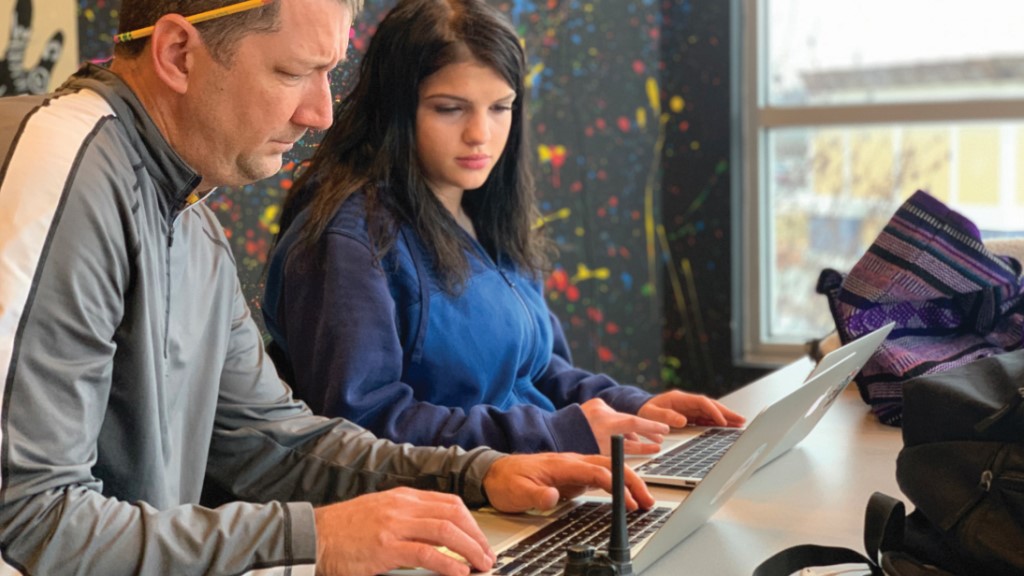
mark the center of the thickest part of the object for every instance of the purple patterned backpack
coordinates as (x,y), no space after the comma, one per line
(953,301)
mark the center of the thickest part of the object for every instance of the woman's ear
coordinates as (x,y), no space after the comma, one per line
(172,49)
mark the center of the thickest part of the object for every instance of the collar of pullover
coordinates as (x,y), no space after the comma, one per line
(175,180)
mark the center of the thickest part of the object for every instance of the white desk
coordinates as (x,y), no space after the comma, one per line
(816,493)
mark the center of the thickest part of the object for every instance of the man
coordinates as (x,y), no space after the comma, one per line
(129,365)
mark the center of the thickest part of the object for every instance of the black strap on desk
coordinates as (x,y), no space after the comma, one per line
(883,531)
(803,556)
(884,525)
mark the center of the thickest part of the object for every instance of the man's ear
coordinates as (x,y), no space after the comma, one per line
(172,49)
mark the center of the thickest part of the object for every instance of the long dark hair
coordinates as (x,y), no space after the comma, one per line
(371,146)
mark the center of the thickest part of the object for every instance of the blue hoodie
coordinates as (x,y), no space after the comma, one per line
(386,347)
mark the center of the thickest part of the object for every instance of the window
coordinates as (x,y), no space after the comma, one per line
(848,108)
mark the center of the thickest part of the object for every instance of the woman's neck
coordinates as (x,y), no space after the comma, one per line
(452,201)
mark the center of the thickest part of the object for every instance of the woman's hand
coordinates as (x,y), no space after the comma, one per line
(605,422)
(677,409)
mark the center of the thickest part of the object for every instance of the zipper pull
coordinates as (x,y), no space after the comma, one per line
(986,481)
(507,279)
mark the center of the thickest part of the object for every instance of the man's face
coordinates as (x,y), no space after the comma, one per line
(244,116)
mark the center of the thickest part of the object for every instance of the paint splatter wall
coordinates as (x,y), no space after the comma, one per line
(629,108)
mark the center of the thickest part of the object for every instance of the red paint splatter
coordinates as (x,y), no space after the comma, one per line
(572,293)
(558,280)
(558,157)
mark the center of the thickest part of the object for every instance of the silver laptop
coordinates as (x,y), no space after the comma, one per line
(529,545)
(688,463)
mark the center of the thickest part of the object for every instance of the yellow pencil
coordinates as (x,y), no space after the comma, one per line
(201,17)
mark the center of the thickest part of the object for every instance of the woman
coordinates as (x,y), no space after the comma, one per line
(404,292)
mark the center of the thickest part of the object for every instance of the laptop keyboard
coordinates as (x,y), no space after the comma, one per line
(544,551)
(694,458)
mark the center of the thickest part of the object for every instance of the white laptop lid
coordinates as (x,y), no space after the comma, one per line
(762,437)
(862,349)
(799,424)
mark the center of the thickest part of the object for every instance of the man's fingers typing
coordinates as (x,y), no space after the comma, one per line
(438,531)
(421,555)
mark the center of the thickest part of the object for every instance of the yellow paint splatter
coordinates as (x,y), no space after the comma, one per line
(653,98)
(676,104)
(560,214)
(585,273)
(535,71)
(695,145)
(269,218)
(641,117)
(545,152)
(580,231)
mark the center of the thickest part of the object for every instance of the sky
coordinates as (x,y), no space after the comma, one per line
(809,35)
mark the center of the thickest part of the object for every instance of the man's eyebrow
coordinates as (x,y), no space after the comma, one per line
(317,63)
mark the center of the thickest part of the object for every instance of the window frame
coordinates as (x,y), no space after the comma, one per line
(753,121)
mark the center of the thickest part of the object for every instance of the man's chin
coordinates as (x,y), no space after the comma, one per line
(255,172)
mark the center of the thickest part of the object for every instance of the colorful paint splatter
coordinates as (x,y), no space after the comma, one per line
(629,105)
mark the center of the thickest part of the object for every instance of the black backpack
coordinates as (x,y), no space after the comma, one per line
(962,466)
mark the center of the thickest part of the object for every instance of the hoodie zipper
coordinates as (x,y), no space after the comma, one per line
(512,285)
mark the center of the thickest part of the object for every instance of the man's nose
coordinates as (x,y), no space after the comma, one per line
(316,111)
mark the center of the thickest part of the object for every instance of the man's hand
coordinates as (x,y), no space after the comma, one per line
(523,482)
(14,77)
(677,408)
(605,422)
(398,528)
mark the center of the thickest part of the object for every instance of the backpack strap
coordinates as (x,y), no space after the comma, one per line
(796,558)
(884,524)
(883,532)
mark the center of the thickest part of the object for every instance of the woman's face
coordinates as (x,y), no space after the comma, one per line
(462,124)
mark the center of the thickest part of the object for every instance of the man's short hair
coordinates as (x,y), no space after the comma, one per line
(221,35)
